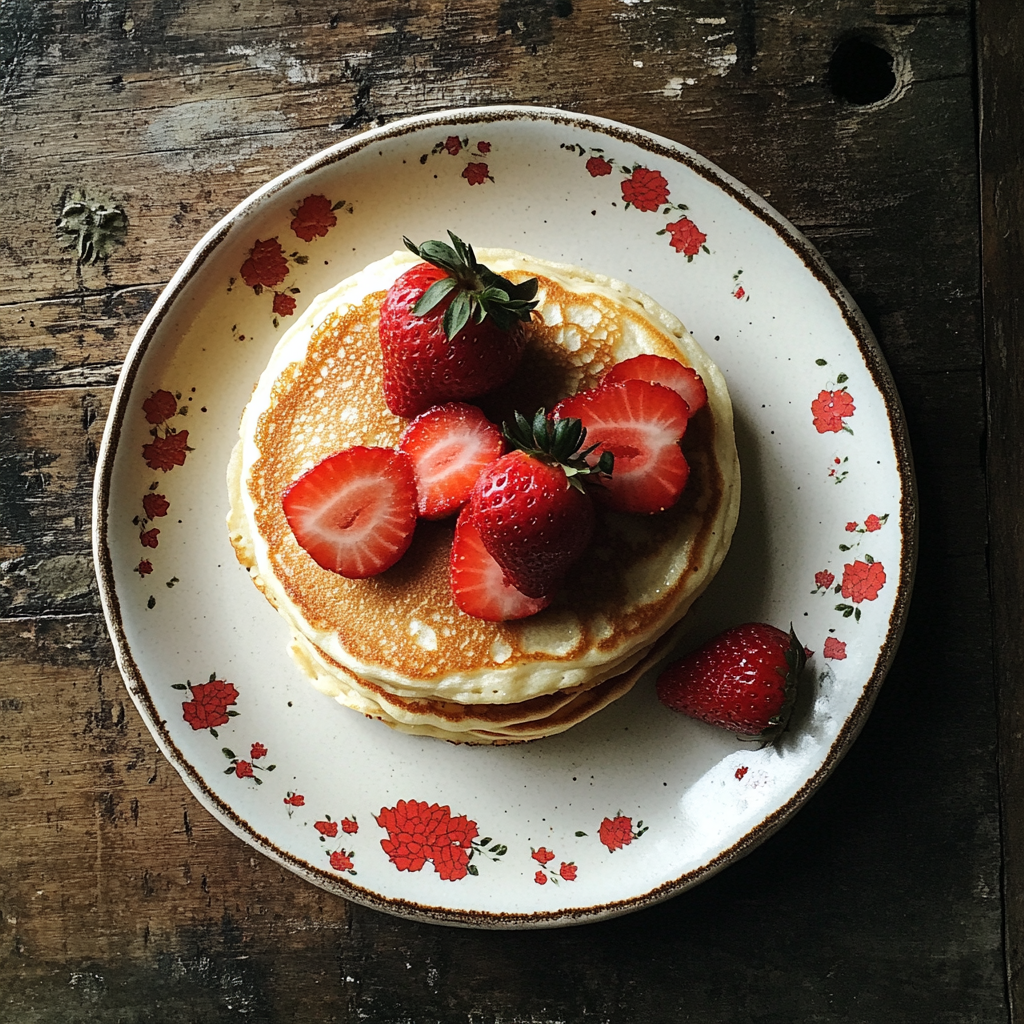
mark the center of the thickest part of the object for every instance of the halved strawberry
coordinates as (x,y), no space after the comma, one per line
(478,582)
(354,513)
(449,446)
(641,424)
(660,370)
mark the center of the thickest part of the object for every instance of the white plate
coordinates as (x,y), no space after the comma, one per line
(637,803)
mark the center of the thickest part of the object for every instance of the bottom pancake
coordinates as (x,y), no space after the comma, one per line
(480,724)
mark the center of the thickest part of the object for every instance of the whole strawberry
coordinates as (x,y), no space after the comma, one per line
(744,680)
(533,515)
(450,328)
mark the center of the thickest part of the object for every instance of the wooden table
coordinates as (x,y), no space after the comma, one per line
(128,128)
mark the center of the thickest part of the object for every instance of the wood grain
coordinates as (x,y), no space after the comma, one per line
(1001,149)
(121,899)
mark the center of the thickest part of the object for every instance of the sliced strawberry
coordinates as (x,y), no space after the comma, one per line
(354,513)
(478,582)
(659,370)
(449,446)
(641,425)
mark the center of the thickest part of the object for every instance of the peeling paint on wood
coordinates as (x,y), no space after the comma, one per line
(92,228)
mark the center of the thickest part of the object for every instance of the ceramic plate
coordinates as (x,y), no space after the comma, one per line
(637,803)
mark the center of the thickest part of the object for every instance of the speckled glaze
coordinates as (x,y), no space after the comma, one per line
(637,803)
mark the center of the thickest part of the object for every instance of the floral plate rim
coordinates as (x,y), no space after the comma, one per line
(650,143)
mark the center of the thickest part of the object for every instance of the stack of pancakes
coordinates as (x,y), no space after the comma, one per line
(395,646)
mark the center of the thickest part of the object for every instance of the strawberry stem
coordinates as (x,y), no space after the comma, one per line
(479,292)
(796,659)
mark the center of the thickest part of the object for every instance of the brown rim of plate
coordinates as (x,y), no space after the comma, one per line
(787,233)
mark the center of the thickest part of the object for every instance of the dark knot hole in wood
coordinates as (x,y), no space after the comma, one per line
(861,70)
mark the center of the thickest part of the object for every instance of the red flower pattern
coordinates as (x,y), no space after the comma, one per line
(475,174)
(243,769)
(284,305)
(483,147)
(349,825)
(209,705)
(451,862)
(326,828)
(266,266)
(834,472)
(566,871)
(313,218)
(295,800)
(341,861)
(645,189)
(461,831)
(616,832)
(686,237)
(862,581)
(851,527)
(597,167)
(741,771)
(739,293)
(257,751)
(834,649)
(872,523)
(453,145)
(156,505)
(824,579)
(411,827)
(160,406)
(418,832)
(829,410)
(166,452)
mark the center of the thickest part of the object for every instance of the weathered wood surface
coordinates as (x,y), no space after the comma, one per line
(1001,83)
(120,898)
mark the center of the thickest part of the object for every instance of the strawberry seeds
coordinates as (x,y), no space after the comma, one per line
(451,330)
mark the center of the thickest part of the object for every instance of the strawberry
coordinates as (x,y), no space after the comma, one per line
(641,424)
(743,679)
(354,513)
(659,370)
(449,446)
(478,583)
(450,328)
(534,517)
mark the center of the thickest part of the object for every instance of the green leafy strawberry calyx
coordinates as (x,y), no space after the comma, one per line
(479,292)
(558,443)
(796,659)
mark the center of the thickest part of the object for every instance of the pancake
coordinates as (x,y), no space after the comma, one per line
(395,646)
(461,723)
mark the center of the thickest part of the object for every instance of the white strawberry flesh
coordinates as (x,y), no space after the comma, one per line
(660,370)
(449,445)
(641,424)
(355,512)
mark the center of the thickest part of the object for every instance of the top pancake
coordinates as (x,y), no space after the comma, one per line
(321,392)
